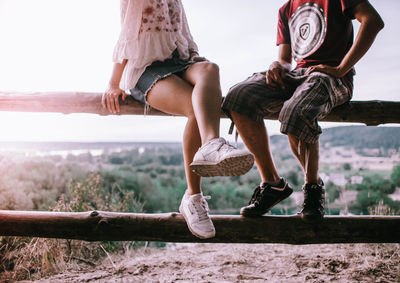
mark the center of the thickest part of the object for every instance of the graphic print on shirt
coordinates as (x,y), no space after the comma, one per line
(307,30)
(161,15)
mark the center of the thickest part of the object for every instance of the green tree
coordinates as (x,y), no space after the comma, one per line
(293,177)
(332,191)
(347,166)
(374,192)
(376,183)
(396,175)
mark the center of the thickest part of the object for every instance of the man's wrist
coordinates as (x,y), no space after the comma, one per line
(278,64)
(342,71)
(286,66)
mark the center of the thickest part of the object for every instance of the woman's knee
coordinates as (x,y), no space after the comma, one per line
(209,67)
(207,70)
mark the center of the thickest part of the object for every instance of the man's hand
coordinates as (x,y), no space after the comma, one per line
(333,71)
(275,75)
(110,98)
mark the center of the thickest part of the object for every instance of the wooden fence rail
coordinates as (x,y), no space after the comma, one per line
(371,113)
(171,227)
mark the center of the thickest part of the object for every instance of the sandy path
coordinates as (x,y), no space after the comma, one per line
(246,263)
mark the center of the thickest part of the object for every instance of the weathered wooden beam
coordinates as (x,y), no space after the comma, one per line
(171,227)
(67,103)
(368,112)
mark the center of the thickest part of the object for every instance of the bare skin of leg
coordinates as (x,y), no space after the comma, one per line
(308,156)
(255,137)
(206,98)
(163,96)
(199,97)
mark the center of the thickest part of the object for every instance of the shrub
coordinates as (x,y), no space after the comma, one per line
(395,176)
(30,258)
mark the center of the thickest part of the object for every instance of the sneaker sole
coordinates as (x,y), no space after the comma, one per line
(190,229)
(245,213)
(232,166)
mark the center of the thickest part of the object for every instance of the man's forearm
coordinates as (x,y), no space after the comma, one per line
(285,56)
(371,24)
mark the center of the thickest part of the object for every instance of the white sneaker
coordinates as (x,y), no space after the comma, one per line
(219,158)
(195,210)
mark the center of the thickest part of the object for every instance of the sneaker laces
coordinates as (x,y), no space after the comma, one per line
(312,198)
(256,197)
(201,208)
(226,146)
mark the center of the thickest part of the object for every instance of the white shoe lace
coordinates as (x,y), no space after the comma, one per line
(201,208)
(220,145)
(226,147)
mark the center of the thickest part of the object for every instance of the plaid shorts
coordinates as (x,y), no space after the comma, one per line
(305,99)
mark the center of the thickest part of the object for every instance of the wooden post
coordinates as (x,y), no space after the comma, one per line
(371,113)
(171,227)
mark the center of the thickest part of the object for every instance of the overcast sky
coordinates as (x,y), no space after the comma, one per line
(66,45)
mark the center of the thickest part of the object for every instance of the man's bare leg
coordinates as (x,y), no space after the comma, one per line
(273,189)
(308,156)
(314,194)
(255,137)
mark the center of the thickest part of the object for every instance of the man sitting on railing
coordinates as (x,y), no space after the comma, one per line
(318,34)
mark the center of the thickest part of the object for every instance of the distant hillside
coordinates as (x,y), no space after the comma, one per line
(359,137)
(362,137)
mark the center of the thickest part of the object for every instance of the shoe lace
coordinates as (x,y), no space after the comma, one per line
(226,147)
(201,208)
(256,197)
(312,199)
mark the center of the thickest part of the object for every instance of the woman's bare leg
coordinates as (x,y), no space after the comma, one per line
(206,98)
(164,96)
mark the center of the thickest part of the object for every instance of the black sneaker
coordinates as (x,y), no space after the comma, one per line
(314,203)
(265,197)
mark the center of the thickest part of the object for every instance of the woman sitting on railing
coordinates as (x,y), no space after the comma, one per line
(157,60)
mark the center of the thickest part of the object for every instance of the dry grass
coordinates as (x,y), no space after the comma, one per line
(382,209)
(33,258)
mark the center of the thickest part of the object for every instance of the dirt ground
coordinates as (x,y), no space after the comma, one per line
(244,263)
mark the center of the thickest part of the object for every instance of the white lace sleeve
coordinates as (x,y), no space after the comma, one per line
(186,33)
(131,18)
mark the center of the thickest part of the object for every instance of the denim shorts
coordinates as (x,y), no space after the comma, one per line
(156,71)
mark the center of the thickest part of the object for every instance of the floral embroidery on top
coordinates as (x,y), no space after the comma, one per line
(148,11)
(161,15)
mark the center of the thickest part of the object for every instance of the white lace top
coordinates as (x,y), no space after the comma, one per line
(150,31)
